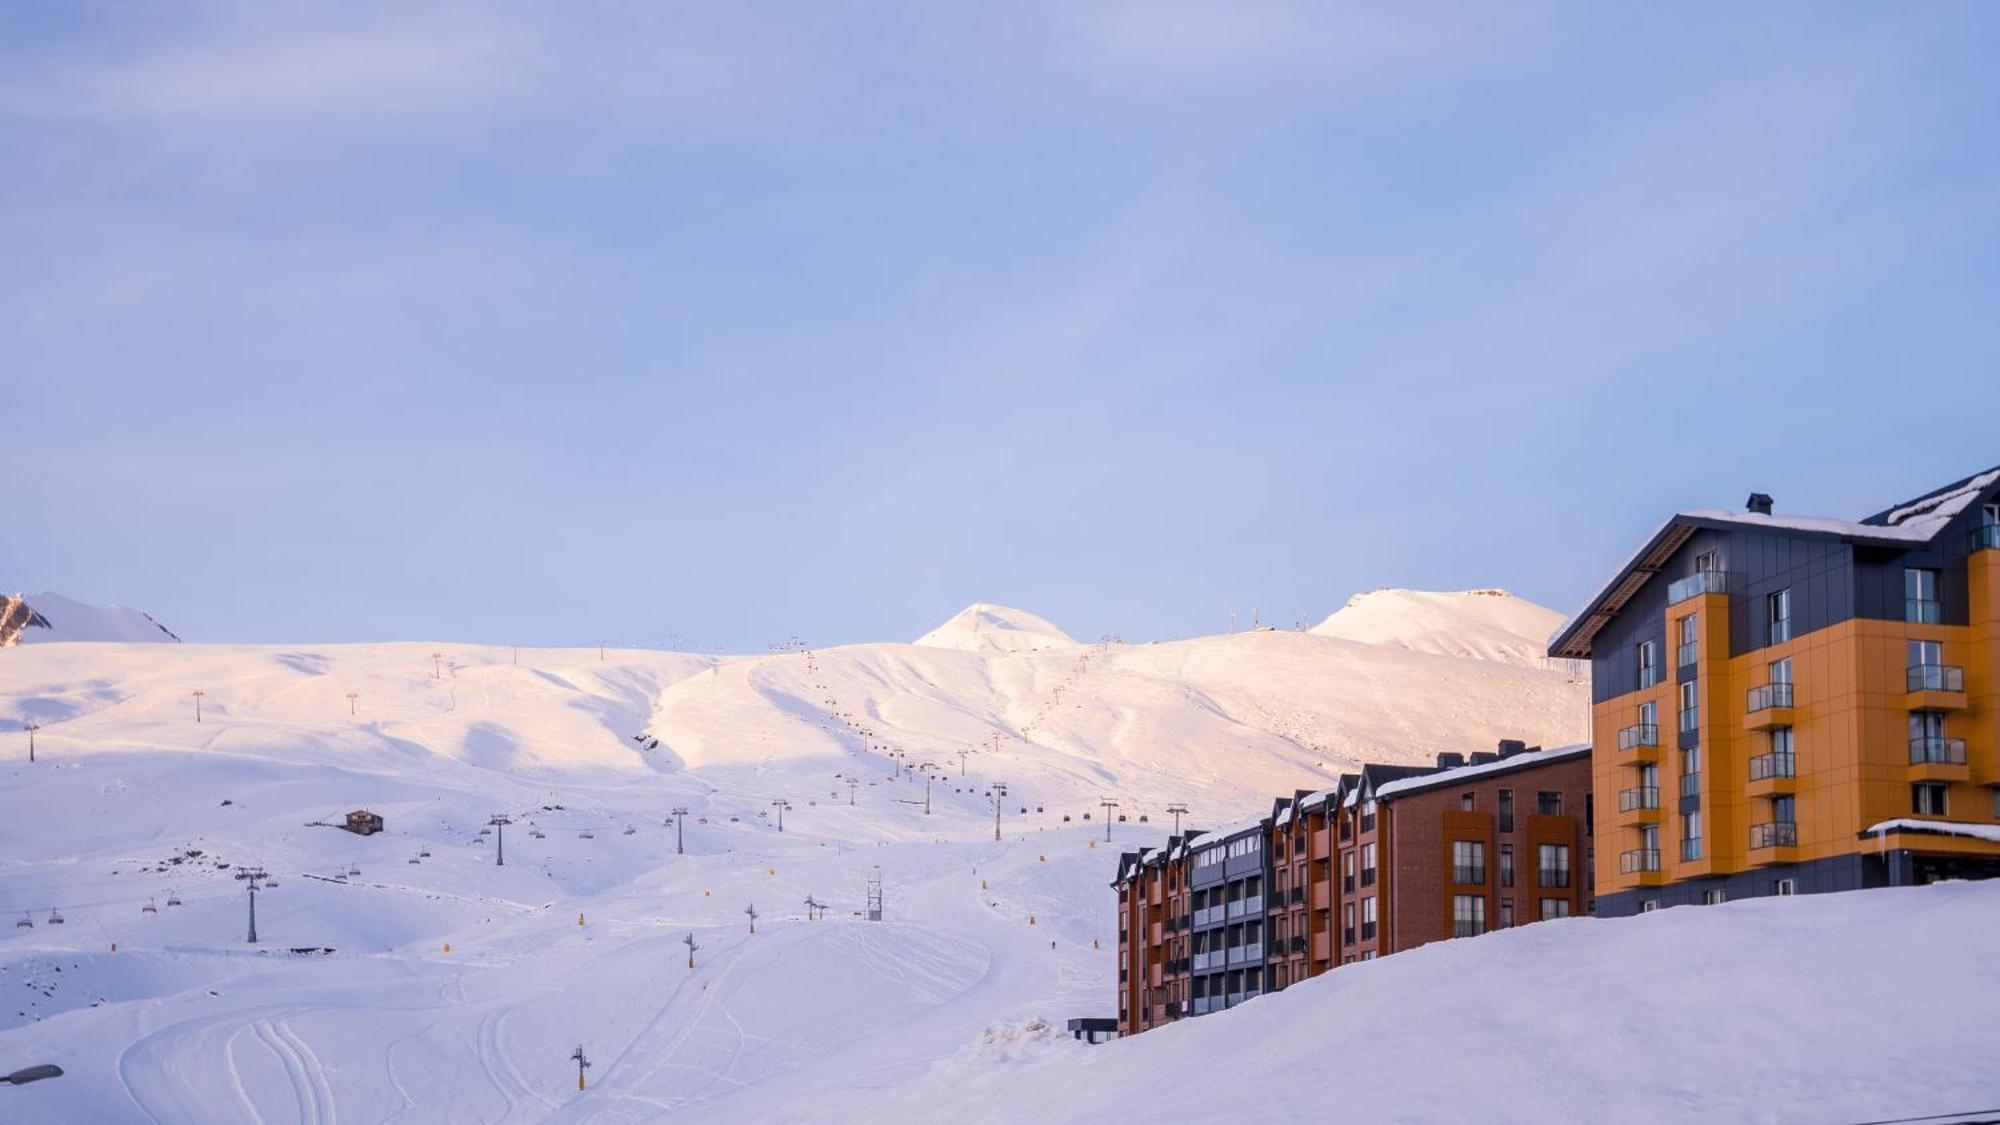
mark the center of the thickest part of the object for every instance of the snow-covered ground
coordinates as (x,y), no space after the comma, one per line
(457,989)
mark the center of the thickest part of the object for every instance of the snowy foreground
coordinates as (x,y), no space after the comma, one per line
(457,990)
(1853,1007)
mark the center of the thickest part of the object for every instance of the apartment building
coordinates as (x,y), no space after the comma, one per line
(1388,859)
(1819,695)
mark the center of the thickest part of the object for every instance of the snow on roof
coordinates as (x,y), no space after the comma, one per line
(1918,521)
(1989,832)
(1234,828)
(1459,773)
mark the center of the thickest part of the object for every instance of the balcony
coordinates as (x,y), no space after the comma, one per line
(1772,774)
(1235,909)
(1696,584)
(1639,861)
(1767,706)
(1253,905)
(1639,799)
(1935,750)
(1935,687)
(1777,834)
(1468,874)
(1321,846)
(1253,952)
(1642,737)
(1986,538)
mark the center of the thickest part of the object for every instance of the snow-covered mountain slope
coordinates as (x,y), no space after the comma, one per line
(980,627)
(1482,624)
(48,617)
(1848,1025)
(578,939)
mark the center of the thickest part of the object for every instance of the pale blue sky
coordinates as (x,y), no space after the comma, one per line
(554,323)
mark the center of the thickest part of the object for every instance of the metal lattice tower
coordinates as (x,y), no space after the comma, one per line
(875,894)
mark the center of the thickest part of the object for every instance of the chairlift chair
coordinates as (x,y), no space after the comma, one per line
(149,908)
(424,853)
(55,918)
(586,836)
(353,871)
(631,831)
(173,899)
(26,923)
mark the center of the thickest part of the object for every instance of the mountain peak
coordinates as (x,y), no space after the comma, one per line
(48,617)
(1481,624)
(984,627)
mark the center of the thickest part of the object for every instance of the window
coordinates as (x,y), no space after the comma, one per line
(1713,898)
(1707,561)
(1785,810)
(1553,908)
(1468,915)
(1554,866)
(1649,837)
(1785,887)
(1506,865)
(1691,835)
(1778,616)
(1686,653)
(1465,802)
(1649,663)
(1368,918)
(1507,798)
(1347,872)
(1780,671)
(1468,861)
(1506,912)
(1690,769)
(1549,802)
(1920,596)
(1347,922)
(1368,815)
(1690,707)
(1647,906)
(1367,865)
(1927,798)
(1784,763)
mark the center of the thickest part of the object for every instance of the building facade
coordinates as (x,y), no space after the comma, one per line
(1390,858)
(1788,704)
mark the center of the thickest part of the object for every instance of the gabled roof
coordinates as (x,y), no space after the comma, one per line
(1905,525)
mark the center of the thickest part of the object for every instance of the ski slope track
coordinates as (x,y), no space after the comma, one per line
(409,977)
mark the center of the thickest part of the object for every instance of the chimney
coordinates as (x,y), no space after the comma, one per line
(1760,503)
(1511,746)
(1450,760)
(1482,757)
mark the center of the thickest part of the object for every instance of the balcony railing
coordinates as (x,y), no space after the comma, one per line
(1639,734)
(1367,876)
(1554,876)
(1467,873)
(1690,719)
(1700,582)
(1923,611)
(1637,860)
(1766,696)
(1347,884)
(1298,944)
(1937,750)
(1254,951)
(1986,538)
(1298,894)
(1648,676)
(1765,766)
(1936,677)
(1236,909)
(1642,797)
(1347,936)
(1778,834)
(1685,655)
(1691,848)
(1467,927)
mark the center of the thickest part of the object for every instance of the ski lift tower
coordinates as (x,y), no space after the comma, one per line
(999,794)
(252,878)
(875,894)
